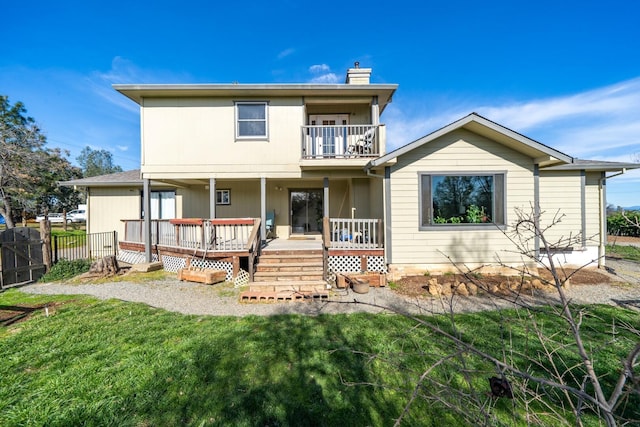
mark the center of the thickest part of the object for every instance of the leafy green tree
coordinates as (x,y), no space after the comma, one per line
(29,171)
(96,162)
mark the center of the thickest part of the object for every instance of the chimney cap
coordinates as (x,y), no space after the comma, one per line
(356,64)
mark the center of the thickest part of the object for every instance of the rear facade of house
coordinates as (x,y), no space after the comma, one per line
(310,161)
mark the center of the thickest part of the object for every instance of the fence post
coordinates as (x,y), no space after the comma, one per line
(45,233)
(55,249)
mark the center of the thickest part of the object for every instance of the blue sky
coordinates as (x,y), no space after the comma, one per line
(565,73)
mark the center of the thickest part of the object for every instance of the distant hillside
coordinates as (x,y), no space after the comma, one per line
(632,208)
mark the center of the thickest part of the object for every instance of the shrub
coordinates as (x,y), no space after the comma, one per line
(65,269)
(618,225)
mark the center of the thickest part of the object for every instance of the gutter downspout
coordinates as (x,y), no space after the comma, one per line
(603,215)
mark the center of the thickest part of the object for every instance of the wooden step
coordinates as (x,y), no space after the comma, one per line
(285,252)
(302,266)
(262,276)
(289,258)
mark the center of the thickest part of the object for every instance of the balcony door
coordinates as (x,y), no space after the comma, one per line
(306,211)
(331,139)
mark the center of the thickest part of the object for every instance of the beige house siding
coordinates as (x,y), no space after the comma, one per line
(107,206)
(197,136)
(192,202)
(561,197)
(560,200)
(592,212)
(458,151)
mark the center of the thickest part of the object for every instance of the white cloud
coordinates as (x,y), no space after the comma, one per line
(286,53)
(122,147)
(603,122)
(319,68)
(322,74)
(599,124)
(123,71)
(326,78)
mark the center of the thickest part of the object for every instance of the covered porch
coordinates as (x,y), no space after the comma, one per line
(235,244)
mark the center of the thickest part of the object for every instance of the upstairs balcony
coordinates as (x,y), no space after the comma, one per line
(344,142)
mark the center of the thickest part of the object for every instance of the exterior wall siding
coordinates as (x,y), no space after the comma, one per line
(459,151)
(593,208)
(560,200)
(197,136)
(107,206)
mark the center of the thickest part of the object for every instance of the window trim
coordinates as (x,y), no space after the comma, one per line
(479,226)
(220,192)
(237,121)
(160,198)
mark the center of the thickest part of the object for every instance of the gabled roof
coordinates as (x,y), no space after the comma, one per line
(117,179)
(542,154)
(137,92)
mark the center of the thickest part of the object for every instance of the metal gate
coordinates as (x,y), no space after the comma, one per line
(20,256)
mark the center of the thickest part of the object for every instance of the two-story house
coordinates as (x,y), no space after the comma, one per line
(226,167)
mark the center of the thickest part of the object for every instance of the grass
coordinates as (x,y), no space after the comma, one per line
(118,363)
(631,253)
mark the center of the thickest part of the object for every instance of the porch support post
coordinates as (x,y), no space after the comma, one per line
(212,198)
(325,201)
(147,218)
(602,196)
(387,215)
(583,207)
(536,206)
(263,208)
(375,111)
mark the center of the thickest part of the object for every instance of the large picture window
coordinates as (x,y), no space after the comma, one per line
(448,199)
(251,120)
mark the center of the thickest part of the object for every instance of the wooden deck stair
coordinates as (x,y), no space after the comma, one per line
(287,275)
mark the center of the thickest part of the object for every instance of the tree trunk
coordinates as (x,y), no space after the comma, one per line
(107,266)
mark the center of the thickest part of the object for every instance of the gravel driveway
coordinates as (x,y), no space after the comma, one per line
(198,299)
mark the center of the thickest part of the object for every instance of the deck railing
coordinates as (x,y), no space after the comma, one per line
(346,233)
(340,141)
(224,235)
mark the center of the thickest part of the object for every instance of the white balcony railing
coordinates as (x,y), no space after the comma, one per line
(340,141)
(224,235)
(345,233)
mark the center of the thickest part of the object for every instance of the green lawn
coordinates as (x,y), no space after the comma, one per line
(631,253)
(125,364)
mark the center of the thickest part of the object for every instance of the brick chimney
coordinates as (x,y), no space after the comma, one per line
(357,75)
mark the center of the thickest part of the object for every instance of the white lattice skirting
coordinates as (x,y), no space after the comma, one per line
(351,264)
(173,264)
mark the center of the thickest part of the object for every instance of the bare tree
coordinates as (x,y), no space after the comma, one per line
(563,376)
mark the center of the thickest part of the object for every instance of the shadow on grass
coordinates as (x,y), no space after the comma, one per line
(277,372)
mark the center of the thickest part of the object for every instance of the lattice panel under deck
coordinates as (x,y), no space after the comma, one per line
(376,263)
(134,257)
(351,264)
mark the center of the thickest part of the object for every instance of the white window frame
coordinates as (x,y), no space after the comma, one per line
(237,106)
(223,197)
(163,204)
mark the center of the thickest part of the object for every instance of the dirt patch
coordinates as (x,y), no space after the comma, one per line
(623,240)
(10,314)
(427,286)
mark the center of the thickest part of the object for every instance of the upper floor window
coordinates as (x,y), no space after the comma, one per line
(462,199)
(251,120)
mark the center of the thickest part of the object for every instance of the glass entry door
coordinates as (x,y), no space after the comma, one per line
(306,211)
